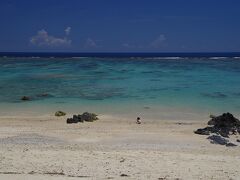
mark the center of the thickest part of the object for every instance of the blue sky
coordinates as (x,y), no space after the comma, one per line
(120,25)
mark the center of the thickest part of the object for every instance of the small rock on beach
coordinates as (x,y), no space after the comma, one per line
(60,113)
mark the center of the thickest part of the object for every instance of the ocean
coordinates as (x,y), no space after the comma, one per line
(150,85)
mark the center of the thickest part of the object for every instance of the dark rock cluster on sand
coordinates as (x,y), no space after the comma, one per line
(86,116)
(220,128)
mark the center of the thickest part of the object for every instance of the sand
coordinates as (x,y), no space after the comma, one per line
(45,147)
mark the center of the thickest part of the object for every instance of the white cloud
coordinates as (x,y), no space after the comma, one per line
(68,30)
(90,43)
(42,38)
(159,42)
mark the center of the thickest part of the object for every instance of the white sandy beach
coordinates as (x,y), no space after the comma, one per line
(111,148)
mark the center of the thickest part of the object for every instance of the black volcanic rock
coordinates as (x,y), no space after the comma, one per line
(204,131)
(216,139)
(72,120)
(25,98)
(222,126)
(89,117)
(225,120)
(225,125)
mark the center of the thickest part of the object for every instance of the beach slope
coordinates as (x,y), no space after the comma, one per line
(111,148)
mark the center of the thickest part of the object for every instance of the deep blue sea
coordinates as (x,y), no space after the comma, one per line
(166,86)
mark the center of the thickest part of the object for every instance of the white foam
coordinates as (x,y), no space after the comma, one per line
(171,58)
(217,57)
(78,57)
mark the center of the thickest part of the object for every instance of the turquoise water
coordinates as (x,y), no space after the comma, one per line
(156,86)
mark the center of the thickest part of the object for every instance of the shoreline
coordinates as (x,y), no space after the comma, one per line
(47,147)
(130,111)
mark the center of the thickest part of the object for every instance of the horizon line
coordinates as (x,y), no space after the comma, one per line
(120,54)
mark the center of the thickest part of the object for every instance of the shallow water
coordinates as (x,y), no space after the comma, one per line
(157,87)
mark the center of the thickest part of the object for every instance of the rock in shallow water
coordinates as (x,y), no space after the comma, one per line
(36,97)
(25,98)
(43,95)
